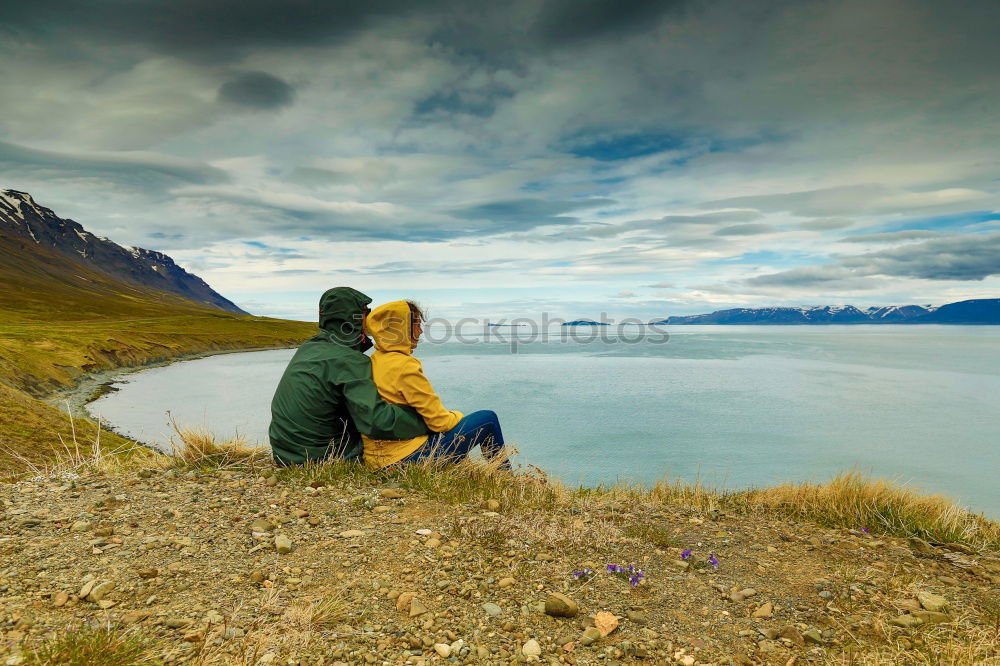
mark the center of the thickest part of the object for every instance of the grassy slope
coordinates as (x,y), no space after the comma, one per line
(59,320)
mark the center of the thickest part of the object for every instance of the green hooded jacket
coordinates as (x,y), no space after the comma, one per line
(326,395)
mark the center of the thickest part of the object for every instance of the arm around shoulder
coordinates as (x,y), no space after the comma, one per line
(372,415)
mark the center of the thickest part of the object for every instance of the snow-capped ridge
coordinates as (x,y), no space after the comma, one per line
(30,222)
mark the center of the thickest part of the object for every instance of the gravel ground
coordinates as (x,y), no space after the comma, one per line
(227,567)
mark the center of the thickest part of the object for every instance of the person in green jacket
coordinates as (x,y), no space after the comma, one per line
(326,397)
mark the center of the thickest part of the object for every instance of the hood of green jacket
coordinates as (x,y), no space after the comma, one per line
(341,317)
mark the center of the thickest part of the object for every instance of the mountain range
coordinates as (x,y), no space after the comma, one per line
(976,311)
(26,228)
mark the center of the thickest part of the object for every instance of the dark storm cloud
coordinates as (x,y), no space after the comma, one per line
(138,168)
(971,257)
(257,90)
(967,258)
(216,31)
(571,21)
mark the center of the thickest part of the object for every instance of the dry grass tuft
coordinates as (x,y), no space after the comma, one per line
(855,500)
(94,646)
(477,481)
(199,449)
(850,500)
(317,615)
(960,643)
(76,455)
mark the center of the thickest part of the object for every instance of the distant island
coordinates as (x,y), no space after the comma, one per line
(583,322)
(976,311)
(505,325)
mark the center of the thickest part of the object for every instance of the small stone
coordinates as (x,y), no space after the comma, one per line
(492,609)
(826,595)
(257,577)
(80,526)
(681,565)
(443,649)
(506,582)
(531,649)
(742,594)
(404,599)
(906,621)
(271,481)
(591,635)
(813,636)
(920,546)
(432,543)
(559,605)
(60,599)
(149,573)
(176,622)
(417,608)
(792,634)
(100,590)
(637,616)
(767,610)
(492,505)
(932,617)
(262,525)
(282,544)
(605,622)
(392,493)
(104,531)
(932,602)
(349,534)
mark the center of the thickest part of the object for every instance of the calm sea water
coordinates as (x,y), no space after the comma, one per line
(731,406)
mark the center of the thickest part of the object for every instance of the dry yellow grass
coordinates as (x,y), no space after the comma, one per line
(850,500)
(855,500)
(197,448)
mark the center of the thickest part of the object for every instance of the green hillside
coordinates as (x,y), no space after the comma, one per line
(60,319)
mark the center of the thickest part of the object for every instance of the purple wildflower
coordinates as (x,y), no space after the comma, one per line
(865,530)
(686,554)
(713,560)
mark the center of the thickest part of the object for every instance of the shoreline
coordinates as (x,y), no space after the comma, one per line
(91,386)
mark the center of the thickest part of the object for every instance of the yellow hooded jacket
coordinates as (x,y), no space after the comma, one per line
(400,380)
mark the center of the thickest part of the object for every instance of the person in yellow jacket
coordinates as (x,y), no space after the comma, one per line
(396,328)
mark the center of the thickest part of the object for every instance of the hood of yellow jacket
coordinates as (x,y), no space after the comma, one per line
(389,326)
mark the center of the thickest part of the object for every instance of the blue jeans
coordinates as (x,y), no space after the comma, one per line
(480,428)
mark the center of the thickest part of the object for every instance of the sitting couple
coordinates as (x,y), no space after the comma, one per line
(334,401)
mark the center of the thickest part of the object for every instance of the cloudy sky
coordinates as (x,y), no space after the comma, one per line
(503,159)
